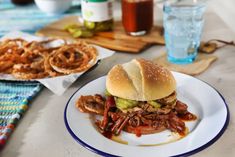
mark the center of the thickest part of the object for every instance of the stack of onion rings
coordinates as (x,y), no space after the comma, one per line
(33,60)
(73,58)
(10,53)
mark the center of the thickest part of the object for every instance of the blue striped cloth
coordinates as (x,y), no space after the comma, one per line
(28,18)
(14,101)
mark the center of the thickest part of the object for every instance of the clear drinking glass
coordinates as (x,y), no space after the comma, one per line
(183,23)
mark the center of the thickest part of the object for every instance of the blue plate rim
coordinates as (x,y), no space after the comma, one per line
(189,153)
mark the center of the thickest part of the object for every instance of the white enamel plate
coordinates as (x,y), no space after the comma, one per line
(202,100)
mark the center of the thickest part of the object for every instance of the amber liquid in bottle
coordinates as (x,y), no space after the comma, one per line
(137,16)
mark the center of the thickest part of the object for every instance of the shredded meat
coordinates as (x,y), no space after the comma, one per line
(109,106)
(114,116)
(164,110)
(181,107)
(148,122)
(91,104)
(135,121)
(158,124)
(145,119)
(142,119)
(149,108)
(176,124)
(169,100)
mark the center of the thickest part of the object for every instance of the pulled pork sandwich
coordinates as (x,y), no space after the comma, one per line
(140,99)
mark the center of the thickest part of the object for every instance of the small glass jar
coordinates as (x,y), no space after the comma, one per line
(97,15)
(137,16)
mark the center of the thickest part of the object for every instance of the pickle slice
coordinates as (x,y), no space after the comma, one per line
(87,34)
(99,26)
(123,104)
(72,30)
(154,104)
(78,31)
(89,24)
(89,28)
(70,26)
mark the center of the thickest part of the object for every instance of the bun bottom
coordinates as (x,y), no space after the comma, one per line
(143,130)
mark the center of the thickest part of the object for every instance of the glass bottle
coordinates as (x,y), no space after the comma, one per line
(97,14)
(137,16)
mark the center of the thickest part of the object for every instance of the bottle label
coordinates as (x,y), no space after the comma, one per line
(97,11)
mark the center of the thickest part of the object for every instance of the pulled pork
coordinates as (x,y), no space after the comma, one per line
(142,119)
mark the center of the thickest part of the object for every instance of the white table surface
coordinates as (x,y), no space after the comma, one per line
(42,132)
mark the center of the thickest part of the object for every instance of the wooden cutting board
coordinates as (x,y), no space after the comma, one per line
(116,40)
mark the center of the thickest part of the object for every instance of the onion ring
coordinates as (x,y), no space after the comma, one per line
(73,58)
(33,60)
(48,67)
(33,70)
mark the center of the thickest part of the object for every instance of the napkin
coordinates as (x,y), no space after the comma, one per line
(57,85)
(14,99)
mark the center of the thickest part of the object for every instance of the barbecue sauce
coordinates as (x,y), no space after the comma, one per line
(107,134)
(187,116)
(138,132)
(181,131)
(137,15)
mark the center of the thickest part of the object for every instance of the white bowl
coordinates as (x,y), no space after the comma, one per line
(53,6)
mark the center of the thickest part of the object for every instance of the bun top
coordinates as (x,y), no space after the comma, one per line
(140,80)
